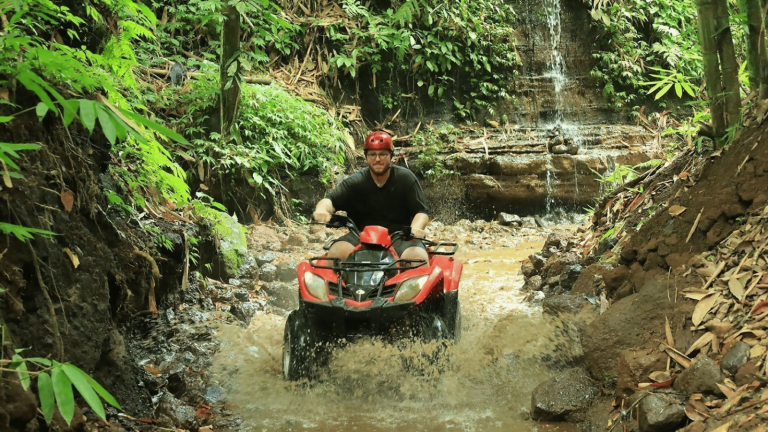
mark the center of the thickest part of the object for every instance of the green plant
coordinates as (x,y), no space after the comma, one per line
(666,80)
(55,382)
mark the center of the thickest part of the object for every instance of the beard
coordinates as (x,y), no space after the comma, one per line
(379,170)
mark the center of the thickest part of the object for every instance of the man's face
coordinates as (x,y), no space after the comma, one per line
(378,161)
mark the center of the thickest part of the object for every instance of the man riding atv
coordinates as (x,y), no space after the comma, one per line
(382,194)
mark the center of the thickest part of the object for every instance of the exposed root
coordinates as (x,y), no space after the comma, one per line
(155,269)
(57,335)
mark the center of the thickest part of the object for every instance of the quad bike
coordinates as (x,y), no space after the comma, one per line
(371,293)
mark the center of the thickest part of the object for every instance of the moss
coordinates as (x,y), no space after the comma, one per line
(232,244)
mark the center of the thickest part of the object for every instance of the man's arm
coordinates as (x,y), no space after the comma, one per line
(323,211)
(418,224)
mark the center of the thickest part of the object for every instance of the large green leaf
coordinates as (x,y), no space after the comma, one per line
(20,366)
(45,393)
(88,114)
(106,124)
(6,119)
(62,388)
(77,377)
(154,126)
(100,390)
(25,79)
(41,110)
(70,111)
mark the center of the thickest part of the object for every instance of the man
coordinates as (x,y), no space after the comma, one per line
(382,194)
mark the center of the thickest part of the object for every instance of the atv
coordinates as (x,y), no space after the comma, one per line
(371,293)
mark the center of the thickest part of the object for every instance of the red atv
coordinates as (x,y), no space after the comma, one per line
(371,293)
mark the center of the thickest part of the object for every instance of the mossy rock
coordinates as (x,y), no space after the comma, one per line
(234,259)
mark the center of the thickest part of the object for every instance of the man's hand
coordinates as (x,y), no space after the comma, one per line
(321,216)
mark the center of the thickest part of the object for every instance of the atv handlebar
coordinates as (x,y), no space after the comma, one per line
(339,265)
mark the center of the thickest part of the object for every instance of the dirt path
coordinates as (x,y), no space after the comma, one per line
(494,368)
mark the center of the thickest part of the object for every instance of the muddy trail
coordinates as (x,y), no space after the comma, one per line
(508,347)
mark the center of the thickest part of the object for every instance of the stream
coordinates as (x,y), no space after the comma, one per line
(487,386)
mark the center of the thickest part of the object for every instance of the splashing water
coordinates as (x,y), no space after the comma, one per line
(486,387)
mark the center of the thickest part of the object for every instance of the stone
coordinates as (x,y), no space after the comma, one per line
(558,262)
(244,311)
(16,404)
(214,394)
(242,295)
(297,240)
(537,297)
(615,278)
(635,365)
(533,283)
(562,304)
(528,269)
(507,219)
(557,240)
(736,357)
(261,237)
(178,413)
(701,377)
(268,273)
(562,395)
(590,279)
(529,222)
(282,295)
(264,257)
(625,325)
(537,260)
(569,276)
(286,271)
(657,413)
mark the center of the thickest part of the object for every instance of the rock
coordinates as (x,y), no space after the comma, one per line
(286,271)
(537,260)
(701,377)
(635,365)
(557,240)
(590,279)
(507,219)
(562,304)
(244,311)
(268,273)
(528,269)
(533,283)
(570,275)
(625,325)
(537,297)
(529,222)
(735,357)
(242,295)
(659,414)
(261,237)
(17,405)
(615,278)
(282,295)
(558,262)
(297,240)
(264,257)
(232,245)
(178,413)
(562,395)
(214,394)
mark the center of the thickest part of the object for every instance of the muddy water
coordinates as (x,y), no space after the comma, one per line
(487,386)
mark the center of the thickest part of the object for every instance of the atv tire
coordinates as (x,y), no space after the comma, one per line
(452,316)
(300,346)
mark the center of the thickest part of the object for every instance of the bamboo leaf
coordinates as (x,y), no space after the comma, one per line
(20,366)
(105,120)
(679,90)
(100,390)
(41,110)
(77,376)
(663,91)
(45,393)
(703,307)
(154,126)
(62,389)
(88,114)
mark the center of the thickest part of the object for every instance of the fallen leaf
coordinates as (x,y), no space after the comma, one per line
(495,124)
(660,376)
(152,370)
(676,210)
(757,351)
(760,308)
(6,176)
(68,199)
(736,288)
(703,307)
(693,413)
(670,339)
(676,355)
(727,391)
(683,175)
(703,341)
(73,257)
(203,187)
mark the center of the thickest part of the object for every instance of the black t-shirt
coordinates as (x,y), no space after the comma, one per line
(392,206)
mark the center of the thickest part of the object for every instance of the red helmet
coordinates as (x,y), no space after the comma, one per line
(379,140)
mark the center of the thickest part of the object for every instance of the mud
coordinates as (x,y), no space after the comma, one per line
(507,349)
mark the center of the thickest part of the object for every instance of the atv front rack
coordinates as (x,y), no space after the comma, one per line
(339,265)
(436,247)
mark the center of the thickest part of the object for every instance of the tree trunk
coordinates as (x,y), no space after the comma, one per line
(230,72)
(706,12)
(753,10)
(730,67)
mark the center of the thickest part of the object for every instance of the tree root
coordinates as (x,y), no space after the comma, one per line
(58,342)
(146,256)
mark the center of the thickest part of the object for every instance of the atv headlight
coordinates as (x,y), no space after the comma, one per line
(410,288)
(316,286)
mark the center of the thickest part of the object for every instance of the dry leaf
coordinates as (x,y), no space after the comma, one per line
(703,307)
(736,288)
(760,308)
(153,370)
(6,176)
(693,413)
(676,210)
(670,339)
(68,199)
(73,257)
(660,376)
(676,355)
(703,341)
(757,351)
(727,391)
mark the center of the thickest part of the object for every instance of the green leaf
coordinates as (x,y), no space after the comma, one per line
(20,366)
(100,390)
(70,111)
(88,114)
(62,389)
(41,110)
(679,90)
(689,89)
(77,376)
(42,361)
(663,91)
(25,78)
(154,126)
(6,119)
(105,120)
(45,393)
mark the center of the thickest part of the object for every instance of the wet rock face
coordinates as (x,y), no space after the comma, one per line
(563,395)
(657,413)
(702,377)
